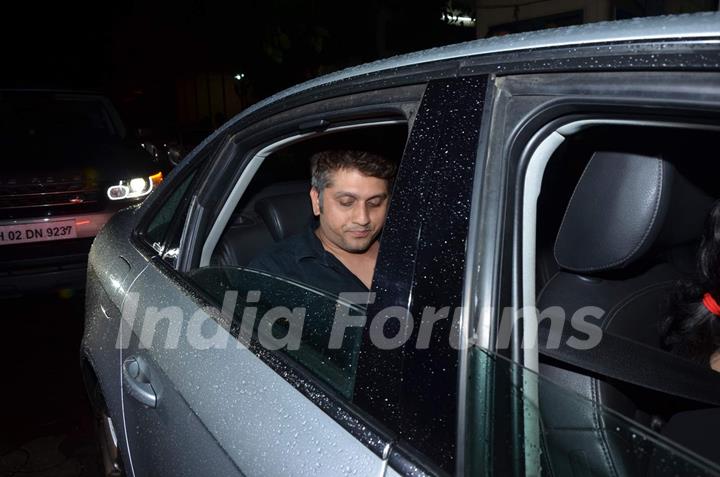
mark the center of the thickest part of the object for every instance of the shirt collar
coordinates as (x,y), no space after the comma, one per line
(311,246)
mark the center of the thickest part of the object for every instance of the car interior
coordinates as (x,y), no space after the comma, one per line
(274,206)
(276,203)
(619,218)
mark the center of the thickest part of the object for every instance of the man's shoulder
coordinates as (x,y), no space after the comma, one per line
(279,255)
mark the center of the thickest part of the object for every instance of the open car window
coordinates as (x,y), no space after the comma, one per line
(275,311)
(281,314)
(620,216)
(275,203)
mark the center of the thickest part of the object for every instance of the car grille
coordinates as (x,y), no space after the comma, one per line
(48,194)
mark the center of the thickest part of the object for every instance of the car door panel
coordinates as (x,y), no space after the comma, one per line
(104,295)
(232,410)
(102,317)
(266,421)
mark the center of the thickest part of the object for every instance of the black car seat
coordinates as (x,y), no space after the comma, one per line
(274,213)
(626,237)
(243,239)
(285,214)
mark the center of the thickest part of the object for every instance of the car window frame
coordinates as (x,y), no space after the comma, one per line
(373,433)
(440,173)
(199,162)
(446,91)
(314,117)
(253,162)
(172,223)
(515,135)
(402,455)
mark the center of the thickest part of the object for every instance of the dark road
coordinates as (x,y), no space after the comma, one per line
(46,425)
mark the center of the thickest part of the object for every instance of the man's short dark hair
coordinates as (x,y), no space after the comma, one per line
(323,163)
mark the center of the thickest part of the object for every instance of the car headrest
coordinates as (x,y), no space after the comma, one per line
(285,214)
(274,189)
(621,207)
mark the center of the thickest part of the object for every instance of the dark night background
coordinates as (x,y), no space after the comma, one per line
(170,65)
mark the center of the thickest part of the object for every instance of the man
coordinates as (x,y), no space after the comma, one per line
(337,253)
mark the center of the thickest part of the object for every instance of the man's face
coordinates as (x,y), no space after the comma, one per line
(353,211)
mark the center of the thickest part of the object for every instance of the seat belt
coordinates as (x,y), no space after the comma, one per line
(636,363)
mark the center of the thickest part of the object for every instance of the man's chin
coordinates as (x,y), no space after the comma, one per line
(357,247)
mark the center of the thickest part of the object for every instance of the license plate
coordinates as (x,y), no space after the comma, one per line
(37,232)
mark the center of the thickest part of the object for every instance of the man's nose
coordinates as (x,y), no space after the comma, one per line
(362,216)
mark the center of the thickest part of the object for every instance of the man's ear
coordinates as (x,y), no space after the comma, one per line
(315,201)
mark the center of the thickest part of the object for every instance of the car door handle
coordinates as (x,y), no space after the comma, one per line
(136,376)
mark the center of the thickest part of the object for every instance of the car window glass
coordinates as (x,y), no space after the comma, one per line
(554,445)
(158,226)
(280,314)
(177,227)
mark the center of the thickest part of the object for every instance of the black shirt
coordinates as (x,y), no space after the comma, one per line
(302,258)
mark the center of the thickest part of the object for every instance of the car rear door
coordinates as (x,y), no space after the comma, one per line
(200,399)
(157,421)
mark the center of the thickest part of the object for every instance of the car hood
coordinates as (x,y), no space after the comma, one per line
(103,159)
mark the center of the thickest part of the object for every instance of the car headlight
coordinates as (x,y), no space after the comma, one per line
(135,187)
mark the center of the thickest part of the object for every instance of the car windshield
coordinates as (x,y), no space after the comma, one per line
(50,117)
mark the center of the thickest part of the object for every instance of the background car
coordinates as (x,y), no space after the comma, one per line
(69,166)
(557,177)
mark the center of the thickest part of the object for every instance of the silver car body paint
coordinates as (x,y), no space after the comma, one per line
(390,472)
(113,263)
(261,422)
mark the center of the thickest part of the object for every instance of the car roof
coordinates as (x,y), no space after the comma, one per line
(669,27)
(676,27)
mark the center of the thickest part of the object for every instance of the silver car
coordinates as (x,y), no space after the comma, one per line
(551,191)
